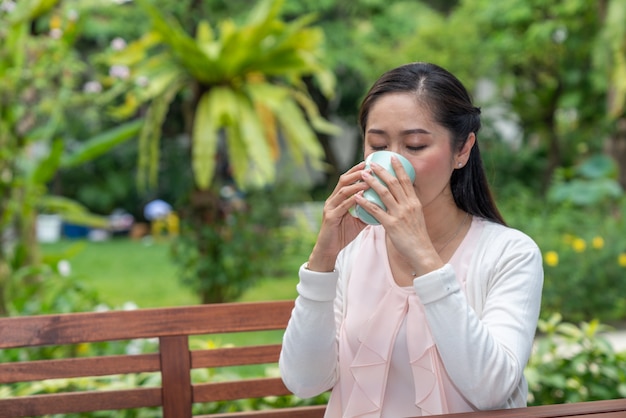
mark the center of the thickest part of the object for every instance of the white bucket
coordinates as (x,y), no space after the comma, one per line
(48,228)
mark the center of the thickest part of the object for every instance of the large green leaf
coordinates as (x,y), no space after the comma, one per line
(317,121)
(261,164)
(46,168)
(29,10)
(101,144)
(136,52)
(301,139)
(71,211)
(205,133)
(184,48)
(151,133)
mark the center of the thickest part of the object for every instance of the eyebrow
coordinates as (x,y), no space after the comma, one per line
(403,133)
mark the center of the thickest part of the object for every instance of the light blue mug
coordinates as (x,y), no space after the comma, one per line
(382,158)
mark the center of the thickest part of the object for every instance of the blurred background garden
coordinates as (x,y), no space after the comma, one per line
(240,116)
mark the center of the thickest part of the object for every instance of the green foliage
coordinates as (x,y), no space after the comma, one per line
(49,287)
(610,58)
(592,183)
(550,84)
(40,80)
(584,255)
(574,364)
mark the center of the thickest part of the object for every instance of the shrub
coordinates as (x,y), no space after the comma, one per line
(584,254)
(574,364)
(222,258)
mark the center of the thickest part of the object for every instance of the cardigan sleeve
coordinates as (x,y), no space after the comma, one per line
(309,356)
(309,353)
(488,348)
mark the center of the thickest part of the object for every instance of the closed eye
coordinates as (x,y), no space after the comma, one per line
(417,148)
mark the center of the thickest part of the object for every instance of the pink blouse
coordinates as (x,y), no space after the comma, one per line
(390,366)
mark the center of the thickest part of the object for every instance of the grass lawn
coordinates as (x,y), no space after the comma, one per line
(142,272)
(123,270)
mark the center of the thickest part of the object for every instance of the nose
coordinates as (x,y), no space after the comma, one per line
(397,148)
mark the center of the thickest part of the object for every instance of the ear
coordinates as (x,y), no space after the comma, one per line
(464,153)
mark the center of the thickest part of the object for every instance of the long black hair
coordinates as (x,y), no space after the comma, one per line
(452,107)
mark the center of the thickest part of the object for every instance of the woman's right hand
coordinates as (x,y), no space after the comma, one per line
(338,227)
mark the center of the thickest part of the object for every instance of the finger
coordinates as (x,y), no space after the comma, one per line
(387,185)
(350,177)
(373,209)
(401,181)
(360,166)
(401,173)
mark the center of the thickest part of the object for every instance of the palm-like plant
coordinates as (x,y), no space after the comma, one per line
(246,88)
(246,82)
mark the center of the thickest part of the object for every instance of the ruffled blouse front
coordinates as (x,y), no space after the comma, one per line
(377,310)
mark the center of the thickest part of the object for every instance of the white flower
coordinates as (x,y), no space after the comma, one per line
(129,306)
(560,35)
(64,268)
(142,81)
(92,87)
(134,347)
(120,71)
(102,308)
(7,6)
(56,33)
(118,44)
(72,15)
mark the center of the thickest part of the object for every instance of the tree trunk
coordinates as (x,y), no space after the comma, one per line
(5,276)
(617,149)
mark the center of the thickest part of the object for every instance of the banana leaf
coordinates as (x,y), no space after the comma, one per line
(101,144)
(71,211)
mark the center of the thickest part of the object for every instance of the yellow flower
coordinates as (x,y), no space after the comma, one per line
(621,259)
(55,22)
(82,348)
(551,258)
(597,243)
(579,245)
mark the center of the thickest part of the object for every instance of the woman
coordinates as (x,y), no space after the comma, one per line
(434,310)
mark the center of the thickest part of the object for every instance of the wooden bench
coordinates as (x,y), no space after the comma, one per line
(615,408)
(175,361)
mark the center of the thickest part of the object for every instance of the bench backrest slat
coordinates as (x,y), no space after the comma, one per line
(143,323)
(78,367)
(30,406)
(239,389)
(235,356)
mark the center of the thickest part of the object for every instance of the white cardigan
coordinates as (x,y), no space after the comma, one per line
(484,336)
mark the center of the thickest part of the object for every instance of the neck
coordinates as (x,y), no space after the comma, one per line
(443,222)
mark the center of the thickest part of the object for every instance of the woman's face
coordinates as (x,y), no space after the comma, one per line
(398,122)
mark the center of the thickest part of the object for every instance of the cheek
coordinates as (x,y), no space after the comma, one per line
(431,174)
